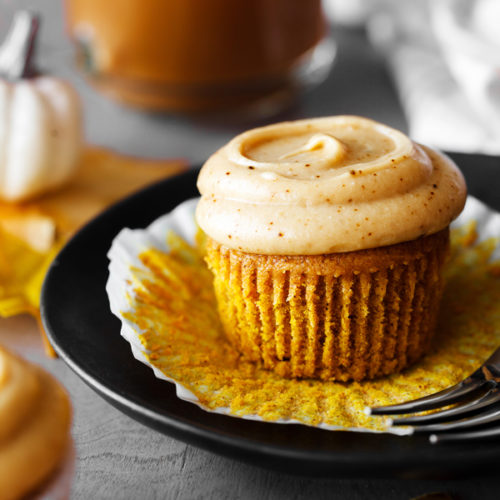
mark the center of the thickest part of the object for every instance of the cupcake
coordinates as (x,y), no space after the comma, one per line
(326,238)
(35,417)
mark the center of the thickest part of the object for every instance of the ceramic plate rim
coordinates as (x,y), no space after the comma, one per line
(409,457)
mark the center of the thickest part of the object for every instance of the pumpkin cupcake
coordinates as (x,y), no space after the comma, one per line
(35,441)
(326,238)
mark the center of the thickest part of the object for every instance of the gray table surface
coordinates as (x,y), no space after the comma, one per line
(118,458)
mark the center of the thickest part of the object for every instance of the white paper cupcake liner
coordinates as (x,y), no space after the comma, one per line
(128,244)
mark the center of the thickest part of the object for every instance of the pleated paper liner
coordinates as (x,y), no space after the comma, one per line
(162,291)
(346,316)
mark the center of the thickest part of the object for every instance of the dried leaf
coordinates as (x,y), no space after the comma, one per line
(32,233)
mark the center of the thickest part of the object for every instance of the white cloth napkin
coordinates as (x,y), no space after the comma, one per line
(447,104)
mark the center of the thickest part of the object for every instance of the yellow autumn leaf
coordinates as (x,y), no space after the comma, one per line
(32,233)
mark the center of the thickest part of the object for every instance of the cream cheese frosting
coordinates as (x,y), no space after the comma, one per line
(326,185)
(35,417)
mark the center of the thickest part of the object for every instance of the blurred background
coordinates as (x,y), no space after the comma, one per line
(178,79)
(141,54)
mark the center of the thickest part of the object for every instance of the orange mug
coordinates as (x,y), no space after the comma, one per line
(195,55)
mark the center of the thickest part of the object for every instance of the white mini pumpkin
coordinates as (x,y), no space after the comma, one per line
(40,136)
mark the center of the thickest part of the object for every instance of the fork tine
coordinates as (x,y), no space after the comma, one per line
(454,394)
(465,436)
(473,407)
(487,373)
(484,418)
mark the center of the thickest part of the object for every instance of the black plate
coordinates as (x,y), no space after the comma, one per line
(86,335)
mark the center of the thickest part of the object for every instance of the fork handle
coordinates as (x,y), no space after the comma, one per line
(491,367)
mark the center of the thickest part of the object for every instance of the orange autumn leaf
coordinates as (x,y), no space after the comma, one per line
(32,233)
(104,178)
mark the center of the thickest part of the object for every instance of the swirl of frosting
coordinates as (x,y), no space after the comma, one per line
(35,418)
(325,185)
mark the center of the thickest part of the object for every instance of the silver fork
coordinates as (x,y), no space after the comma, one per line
(476,403)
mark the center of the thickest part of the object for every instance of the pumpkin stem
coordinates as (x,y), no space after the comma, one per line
(18,47)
